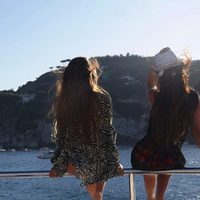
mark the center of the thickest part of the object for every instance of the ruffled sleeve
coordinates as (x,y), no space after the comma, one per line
(60,158)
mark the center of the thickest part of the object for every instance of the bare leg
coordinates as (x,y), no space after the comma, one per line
(150,182)
(162,183)
(70,169)
(91,190)
(96,190)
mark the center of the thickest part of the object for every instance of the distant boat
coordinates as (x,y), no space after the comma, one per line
(45,153)
(2,149)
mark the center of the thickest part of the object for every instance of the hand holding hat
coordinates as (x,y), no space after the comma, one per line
(166,59)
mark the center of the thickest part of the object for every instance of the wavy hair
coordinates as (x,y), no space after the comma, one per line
(76,103)
(169,115)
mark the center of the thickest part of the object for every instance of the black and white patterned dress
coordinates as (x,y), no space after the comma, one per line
(94,162)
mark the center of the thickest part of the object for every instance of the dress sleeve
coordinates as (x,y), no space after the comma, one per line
(107,133)
(108,136)
(60,156)
(106,117)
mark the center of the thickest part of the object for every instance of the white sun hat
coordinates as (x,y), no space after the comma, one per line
(166,59)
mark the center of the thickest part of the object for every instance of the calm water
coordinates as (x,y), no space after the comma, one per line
(180,188)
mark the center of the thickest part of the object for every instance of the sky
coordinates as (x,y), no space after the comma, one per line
(37,34)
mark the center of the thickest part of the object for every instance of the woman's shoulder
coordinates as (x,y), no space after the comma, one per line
(193,97)
(193,93)
(103,96)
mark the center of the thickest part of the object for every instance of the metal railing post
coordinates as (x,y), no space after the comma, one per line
(132,187)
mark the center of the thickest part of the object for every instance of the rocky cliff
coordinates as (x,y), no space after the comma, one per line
(24,121)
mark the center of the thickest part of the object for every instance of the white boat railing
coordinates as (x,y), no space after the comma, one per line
(128,171)
(131,173)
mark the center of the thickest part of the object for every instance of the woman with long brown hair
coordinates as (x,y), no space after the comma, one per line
(175,111)
(83,131)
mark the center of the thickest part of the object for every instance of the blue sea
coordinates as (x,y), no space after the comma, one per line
(181,187)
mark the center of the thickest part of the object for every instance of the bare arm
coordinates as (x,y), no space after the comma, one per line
(152,79)
(196,125)
(152,85)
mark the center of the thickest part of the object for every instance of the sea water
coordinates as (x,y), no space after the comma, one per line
(181,187)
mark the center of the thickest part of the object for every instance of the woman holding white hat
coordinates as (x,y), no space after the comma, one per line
(175,110)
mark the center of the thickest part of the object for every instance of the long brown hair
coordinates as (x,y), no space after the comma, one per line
(169,117)
(75,104)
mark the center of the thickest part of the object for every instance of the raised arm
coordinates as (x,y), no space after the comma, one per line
(152,85)
(196,125)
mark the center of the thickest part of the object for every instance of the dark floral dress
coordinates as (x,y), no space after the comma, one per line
(149,154)
(94,162)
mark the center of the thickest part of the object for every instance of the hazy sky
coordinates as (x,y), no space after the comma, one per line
(37,34)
